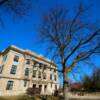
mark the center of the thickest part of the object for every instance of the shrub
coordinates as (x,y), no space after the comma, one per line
(33,91)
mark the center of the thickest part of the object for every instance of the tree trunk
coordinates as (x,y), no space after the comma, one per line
(65,86)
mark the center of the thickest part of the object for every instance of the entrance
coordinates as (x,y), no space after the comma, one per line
(40,87)
(34,85)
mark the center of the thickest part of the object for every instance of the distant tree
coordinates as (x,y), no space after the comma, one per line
(92,84)
(69,37)
(76,87)
(96,80)
(87,83)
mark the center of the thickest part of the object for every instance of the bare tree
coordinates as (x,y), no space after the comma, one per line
(69,37)
(16,8)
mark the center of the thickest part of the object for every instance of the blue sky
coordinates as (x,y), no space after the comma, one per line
(22,32)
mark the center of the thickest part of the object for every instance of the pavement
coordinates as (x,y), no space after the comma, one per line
(84,97)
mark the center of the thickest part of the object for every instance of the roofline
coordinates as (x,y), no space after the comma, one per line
(27,52)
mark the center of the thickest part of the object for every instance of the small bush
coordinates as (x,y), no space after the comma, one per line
(33,91)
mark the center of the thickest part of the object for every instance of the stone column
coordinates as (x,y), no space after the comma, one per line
(42,90)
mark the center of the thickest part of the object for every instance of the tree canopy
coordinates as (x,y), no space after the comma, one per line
(92,83)
(70,37)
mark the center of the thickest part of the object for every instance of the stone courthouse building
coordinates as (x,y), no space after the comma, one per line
(21,69)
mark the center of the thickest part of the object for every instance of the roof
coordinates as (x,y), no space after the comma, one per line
(27,52)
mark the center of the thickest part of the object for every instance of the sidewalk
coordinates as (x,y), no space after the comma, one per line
(84,97)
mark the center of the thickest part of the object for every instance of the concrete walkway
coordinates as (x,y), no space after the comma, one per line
(84,97)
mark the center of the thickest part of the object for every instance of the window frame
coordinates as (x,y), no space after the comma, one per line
(1,69)
(25,83)
(34,74)
(39,74)
(13,69)
(28,62)
(4,58)
(16,58)
(9,85)
(26,71)
(51,76)
(44,75)
(55,77)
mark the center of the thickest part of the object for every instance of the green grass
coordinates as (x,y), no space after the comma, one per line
(26,98)
(16,98)
(33,98)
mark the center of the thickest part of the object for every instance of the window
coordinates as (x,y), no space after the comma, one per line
(55,78)
(55,70)
(34,73)
(50,69)
(44,75)
(39,74)
(9,85)
(1,68)
(27,72)
(50,76)
(51,85)
(13,69)
(25,83)
(16,58)
(55,87)
(4,58)
(40,66)
(28,62)
(45,67)
(45,88)
(40,87)
(35,63)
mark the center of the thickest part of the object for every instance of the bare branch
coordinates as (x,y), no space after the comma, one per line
(90,38)
(73,51)
(3,2)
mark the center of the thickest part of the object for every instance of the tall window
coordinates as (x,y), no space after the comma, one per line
(39,74)
(28,62)
(44,75)
(50,76)
(16,58)
(45,88)
(25,83)
(40,66)
(55,70)
(55,78)
(55,87)
(9,85)
(13,69)
(51,85)
(34,73)
(40,87)
(27,72)
(50,69)
(1,68)
(45,66)
(4,58)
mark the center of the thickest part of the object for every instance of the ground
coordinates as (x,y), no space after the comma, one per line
(93,96)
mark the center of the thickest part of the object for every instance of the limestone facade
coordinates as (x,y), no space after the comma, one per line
(21,69)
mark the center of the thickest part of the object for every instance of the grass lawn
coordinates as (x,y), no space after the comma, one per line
(26,98)
(19,98)
(38,98)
